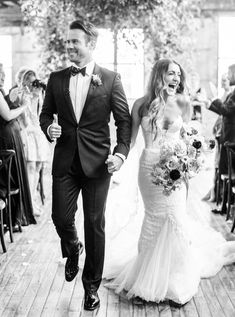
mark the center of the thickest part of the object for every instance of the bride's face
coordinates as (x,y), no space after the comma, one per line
(172,79)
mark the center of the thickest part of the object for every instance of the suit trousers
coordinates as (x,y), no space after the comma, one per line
(65,192)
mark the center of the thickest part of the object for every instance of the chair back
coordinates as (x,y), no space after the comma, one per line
(6,157)
(230,148)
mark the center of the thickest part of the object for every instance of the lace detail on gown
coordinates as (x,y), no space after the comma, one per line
(174,251)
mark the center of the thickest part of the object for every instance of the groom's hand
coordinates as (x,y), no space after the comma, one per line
(54,131)
(114,163)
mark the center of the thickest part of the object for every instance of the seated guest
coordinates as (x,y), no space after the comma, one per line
(22,211)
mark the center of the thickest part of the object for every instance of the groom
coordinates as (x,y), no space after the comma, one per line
(83,97)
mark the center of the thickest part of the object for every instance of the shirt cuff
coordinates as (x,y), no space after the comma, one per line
(121,156)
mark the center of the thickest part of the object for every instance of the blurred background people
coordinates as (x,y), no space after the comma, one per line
(22,210)
(224,130)
(184,104)
(197,106)
(225,84)
(30,92)
(217,131)
(2,79)
(14,91)
(197,102)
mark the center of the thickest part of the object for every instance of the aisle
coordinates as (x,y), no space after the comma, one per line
(32,275)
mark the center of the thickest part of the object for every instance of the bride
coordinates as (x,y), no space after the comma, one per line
(174,251)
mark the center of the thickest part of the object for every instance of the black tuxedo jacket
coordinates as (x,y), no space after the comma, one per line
(91,135)
(227,110)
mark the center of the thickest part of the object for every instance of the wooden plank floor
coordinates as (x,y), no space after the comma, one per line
(32,275)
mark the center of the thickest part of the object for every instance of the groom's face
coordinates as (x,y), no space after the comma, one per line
(79,48)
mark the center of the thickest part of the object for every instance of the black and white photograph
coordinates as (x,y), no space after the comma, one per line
(117,158)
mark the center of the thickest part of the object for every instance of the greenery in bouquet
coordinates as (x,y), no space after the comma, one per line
(180,160)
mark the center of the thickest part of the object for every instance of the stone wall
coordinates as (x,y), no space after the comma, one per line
(24,48)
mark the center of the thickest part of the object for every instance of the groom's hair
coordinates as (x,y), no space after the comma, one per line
(89,29)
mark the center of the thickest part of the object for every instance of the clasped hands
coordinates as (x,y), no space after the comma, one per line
(114,163)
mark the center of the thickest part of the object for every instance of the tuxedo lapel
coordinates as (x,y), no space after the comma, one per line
(66,80)
(92,88)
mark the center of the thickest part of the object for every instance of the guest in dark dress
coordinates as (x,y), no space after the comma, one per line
(217,132)
(22,210)
(226,109)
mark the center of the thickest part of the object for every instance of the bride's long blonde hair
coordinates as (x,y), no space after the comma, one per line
(154,103)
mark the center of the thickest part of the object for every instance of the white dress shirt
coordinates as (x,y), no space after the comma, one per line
(78,87)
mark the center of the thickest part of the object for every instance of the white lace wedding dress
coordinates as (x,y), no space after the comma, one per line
(174,251)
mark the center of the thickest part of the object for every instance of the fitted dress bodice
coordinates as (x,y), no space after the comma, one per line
(154,137)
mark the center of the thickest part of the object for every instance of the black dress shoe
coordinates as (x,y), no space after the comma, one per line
(218,212)
(175,305)
(92,301)
(138,301)
(71,265)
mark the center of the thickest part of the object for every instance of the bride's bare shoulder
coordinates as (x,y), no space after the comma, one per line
(138,106)
(139,102)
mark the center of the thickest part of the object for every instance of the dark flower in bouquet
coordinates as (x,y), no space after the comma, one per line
(175,174)
(211,144)
(197,144)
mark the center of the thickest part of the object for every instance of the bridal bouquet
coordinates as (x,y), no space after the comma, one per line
(180,160)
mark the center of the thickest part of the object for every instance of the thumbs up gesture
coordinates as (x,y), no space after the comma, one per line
(55,129)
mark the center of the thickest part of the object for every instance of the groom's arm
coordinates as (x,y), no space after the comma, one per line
(122,118)
(48,109)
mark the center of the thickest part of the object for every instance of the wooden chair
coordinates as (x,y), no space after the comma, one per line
(230,148)
(221,196)
(224,179)
(226,190)
(233,225)
(40,186)
(218,177)
(6,157)
(2,207)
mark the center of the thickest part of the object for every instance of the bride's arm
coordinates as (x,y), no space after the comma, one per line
(136,120)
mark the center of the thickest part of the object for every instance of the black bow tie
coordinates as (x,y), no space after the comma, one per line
(74,71)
